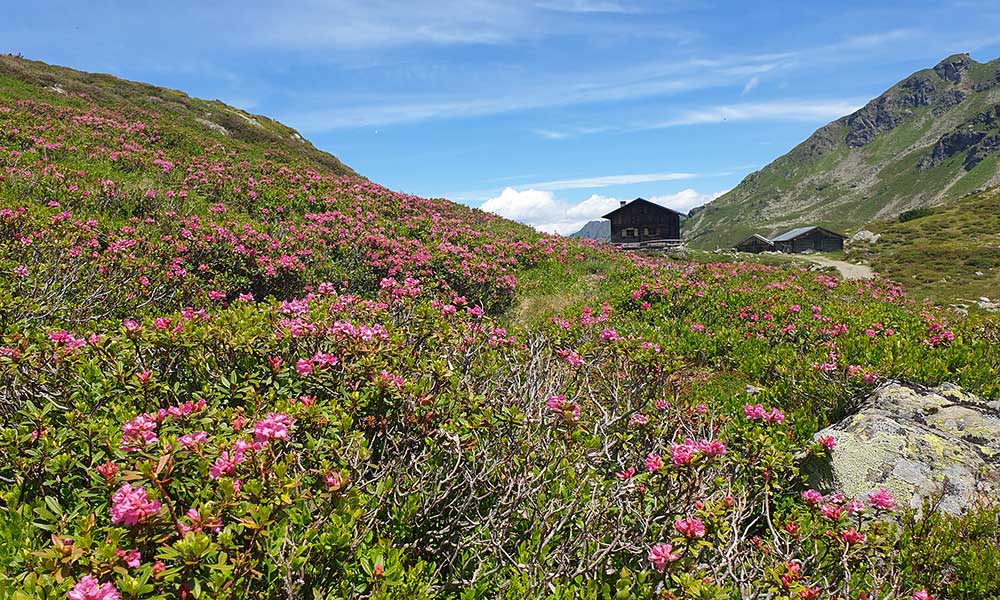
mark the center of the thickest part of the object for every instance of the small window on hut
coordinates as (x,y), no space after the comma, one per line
(630,232)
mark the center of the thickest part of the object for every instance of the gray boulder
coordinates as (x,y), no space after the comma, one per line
(918,443)
(865,237)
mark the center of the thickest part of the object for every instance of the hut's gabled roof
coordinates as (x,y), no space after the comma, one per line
(759,237)
(640,201)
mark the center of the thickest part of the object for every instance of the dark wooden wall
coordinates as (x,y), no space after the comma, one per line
(650,222)
(754,245)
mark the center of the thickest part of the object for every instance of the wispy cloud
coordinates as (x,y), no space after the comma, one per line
(751,84)
(584,6)
(656,78)
(810,111)
(783,110)
(608,180)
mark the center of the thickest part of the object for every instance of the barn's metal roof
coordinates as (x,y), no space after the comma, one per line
(756,236)
(794,233)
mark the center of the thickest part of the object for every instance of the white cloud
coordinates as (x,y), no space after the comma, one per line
(750,85)
(686,199)
(542,210)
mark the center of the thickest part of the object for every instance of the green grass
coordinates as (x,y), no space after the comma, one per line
(936,257)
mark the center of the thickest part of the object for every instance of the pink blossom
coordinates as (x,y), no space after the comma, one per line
(828,442)
(921,595)
(697,328)
(682,454)
(638,420)
(569,410)
(139,432)
(855,507)
(690,527)
(653,462)
(851,537)
(660,555)
(832,511)
(774,416)
(882,499)
(193,440)
(626,474)
(812,497)
(132,558)
(274,426)
(131,506)
(753,411)
(304,367)
(610,335)
(89,588)
(108,471)
(712,448)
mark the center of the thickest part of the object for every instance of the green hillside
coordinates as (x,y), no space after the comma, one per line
(231,369)
(950,255)
(928,140)
(22,79)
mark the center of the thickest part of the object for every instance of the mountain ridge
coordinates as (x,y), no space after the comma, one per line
(929,139)
(22,79)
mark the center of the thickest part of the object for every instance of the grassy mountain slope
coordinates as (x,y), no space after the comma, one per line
(229,370)
(60,86)
(953,254)
(928,140)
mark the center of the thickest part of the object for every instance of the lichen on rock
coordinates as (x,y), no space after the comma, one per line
(918,443)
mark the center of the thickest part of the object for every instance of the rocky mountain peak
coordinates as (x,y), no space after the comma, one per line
(952,68)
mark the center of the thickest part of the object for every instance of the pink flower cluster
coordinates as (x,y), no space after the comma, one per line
(690,527)
(756,412)
(139,433)
(274,426)
(89,588)
(682,454)
(660,555)
(131,505)
(568,410)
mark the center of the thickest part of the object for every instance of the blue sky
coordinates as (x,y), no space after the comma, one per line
(546,111)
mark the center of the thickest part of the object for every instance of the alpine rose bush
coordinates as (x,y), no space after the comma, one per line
(232,371)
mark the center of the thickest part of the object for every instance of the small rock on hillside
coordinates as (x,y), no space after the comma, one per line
(918,443)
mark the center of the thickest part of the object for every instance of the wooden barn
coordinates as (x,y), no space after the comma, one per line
(642,223)
(755,244)
(809,238)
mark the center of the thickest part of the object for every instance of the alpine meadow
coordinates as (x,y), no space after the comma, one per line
(233,367)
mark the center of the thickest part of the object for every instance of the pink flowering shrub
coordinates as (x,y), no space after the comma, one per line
(231,372)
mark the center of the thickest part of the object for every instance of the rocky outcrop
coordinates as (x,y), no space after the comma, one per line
(978,137)
(918,443)
(952,68)
(950,145)
(882,114)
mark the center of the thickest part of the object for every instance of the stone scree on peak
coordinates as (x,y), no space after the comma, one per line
(917,443)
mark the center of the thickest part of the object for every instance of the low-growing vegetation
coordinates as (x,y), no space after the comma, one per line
(224,375)
(950,255)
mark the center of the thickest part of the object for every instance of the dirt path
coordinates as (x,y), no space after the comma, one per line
(847,270)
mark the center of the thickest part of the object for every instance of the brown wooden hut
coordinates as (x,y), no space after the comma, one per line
(641,222)
(755,244)
(809,238)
